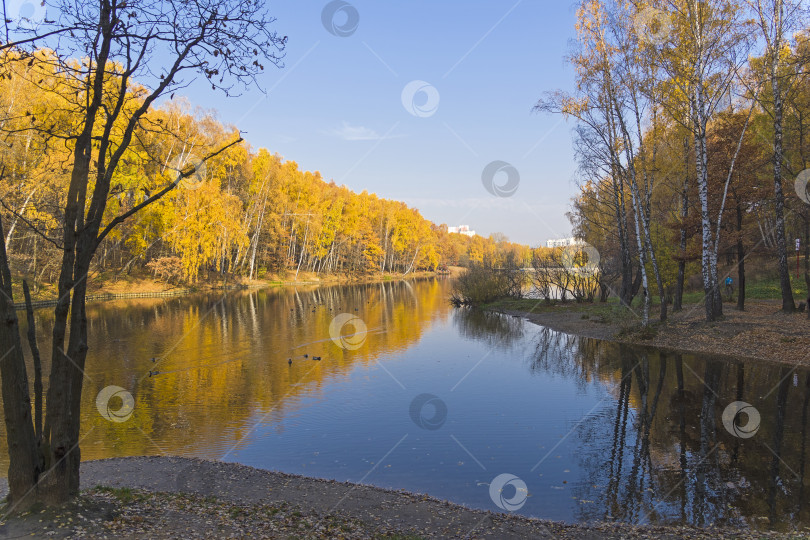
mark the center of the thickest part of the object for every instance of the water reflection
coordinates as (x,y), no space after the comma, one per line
(664,454)
(597,431)
(493,329)
(222,360)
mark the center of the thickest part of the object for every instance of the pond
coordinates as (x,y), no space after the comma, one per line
(481,409)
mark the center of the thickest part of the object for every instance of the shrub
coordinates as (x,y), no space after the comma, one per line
(169,269)
(563,274)
(481,284)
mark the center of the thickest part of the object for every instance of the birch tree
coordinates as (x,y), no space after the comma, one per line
(598,140)
(776,20)
(702,58)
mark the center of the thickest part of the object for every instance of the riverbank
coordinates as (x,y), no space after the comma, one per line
(108,287)
(172,497)
(761,332)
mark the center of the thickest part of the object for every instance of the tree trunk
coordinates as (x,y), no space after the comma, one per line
(788,304)
(679,285)
(256,236)
(713,301)
(807,257)
(638,214)
(626,290)
(25,464)
(14,223)
(740,261)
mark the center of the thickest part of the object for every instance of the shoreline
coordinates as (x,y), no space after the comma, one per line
(761,333)
(175,497)
(148,288)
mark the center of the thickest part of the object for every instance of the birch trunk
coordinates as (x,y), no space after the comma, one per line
(788,304)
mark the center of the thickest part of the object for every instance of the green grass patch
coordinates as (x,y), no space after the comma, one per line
(770,289)
(599,312)
(612,312)
(123,494)
(527,305)
(767,288)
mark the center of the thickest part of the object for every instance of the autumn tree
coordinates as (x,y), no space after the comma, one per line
(702,59)
(593,107)
(776,21)
(613,106)
(118,59)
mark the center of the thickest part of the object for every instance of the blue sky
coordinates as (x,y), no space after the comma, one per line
(337,106)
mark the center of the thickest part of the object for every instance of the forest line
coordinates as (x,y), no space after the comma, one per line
(242,211)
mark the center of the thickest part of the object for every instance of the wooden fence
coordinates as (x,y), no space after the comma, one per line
(109,296)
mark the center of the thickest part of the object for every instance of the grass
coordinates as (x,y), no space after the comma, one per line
(124,494)
(764,288)
(604,312)
(770,289)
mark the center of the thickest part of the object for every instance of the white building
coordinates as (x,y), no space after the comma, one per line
(564,242)
(461,229)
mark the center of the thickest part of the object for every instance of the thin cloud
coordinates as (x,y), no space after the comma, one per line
(357,133)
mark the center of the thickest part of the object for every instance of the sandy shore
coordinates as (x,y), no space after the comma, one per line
(166,497)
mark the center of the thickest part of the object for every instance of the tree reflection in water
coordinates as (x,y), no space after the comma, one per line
(640,430)
(494,329)
(663,454)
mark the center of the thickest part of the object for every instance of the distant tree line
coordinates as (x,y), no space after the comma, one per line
(244,211)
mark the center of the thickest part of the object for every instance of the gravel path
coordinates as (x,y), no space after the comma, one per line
(220,500)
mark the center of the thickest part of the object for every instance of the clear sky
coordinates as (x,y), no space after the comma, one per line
(338,106)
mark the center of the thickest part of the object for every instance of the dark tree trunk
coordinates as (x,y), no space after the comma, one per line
(679,285)
(32,344)
(804,213)
(626,293)
(788,304)
(677,304)
(740,261)
(636,285)
(25,464)
(604,292)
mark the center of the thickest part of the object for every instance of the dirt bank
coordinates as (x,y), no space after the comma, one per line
(761,332)
(167,497)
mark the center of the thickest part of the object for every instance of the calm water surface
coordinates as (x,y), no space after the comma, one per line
(596,431)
